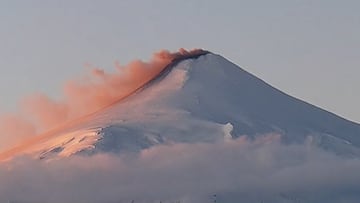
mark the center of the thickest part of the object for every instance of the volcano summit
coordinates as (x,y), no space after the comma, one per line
(197,97)
(189,127)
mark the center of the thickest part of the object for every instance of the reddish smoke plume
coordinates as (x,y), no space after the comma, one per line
(87,94)
(44,112)
(14,128)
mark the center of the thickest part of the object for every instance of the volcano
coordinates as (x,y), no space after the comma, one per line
(197,98)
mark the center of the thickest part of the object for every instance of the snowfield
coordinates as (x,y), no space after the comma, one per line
(203,126)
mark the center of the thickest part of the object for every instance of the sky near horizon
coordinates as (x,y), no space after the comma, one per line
(309,49)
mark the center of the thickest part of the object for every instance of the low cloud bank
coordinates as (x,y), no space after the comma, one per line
(262,170)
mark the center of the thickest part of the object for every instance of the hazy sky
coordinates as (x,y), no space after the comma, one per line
(307,48)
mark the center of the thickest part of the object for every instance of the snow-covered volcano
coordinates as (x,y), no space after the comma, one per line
(198,98)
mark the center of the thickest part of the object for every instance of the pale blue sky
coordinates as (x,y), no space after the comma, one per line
(307,48)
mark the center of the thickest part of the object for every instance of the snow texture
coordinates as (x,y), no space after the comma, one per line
(194,100)
(205,124)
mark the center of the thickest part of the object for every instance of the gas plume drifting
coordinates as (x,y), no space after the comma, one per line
(13,129)
(85,95)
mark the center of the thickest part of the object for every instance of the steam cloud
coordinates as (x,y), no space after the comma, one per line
(83,96)
(240,170)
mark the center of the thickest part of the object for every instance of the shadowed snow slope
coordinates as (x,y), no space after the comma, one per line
(204,98)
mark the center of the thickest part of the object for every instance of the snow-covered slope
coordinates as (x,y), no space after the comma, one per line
(203,98)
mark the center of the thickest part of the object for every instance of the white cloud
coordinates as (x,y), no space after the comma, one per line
(237,171)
